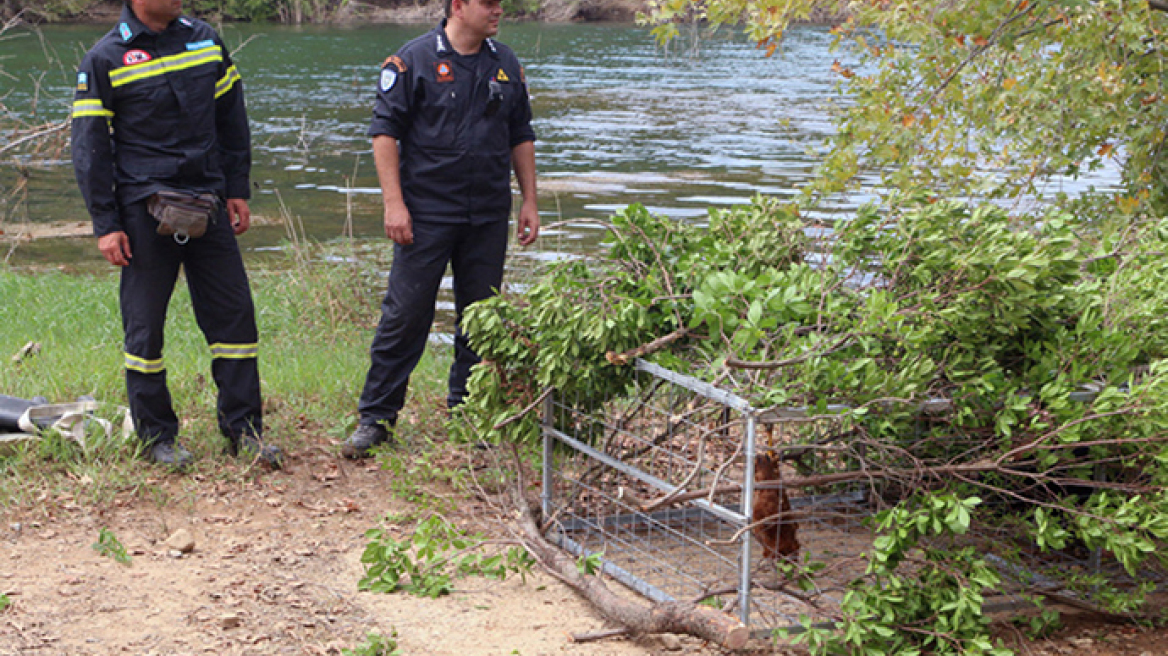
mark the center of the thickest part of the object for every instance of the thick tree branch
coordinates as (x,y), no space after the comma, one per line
(674,617)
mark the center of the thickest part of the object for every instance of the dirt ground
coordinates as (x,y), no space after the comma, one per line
(274,570)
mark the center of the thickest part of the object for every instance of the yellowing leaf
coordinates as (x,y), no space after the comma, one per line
(908,120)
(1105,150)
(1009,83)
(836,67)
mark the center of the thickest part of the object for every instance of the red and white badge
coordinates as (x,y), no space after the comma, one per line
(445,71)
(136,57)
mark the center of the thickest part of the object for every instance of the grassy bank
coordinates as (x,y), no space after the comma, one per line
(315,319)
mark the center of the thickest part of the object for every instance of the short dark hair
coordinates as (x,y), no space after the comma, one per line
(449,7)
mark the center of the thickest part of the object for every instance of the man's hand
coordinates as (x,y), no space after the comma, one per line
(239,214)
(527,226)
(115,246)
(399,226)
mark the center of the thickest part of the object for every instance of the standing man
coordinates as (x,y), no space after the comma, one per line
(161,145)
(451,119)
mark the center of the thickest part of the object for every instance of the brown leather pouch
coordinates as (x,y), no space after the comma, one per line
(183,215)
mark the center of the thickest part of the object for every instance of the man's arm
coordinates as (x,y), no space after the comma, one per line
(234,142)
(398,224)
(93,159)
(523,161)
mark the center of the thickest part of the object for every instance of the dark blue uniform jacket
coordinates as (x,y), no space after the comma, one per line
(456,120)
(154,111)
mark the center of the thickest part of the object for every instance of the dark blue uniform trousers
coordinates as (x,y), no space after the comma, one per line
(223,309)
(476,254)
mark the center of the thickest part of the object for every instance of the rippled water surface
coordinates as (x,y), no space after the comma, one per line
(619,121)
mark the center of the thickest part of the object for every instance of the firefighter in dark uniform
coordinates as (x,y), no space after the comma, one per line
(451,120)
(159,107)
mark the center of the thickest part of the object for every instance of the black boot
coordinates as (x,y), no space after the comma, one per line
(169,453)
(364,439)
(252,447)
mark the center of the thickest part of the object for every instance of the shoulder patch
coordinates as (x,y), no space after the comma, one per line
(396,62)
(388,79)
(186,21)
(125,31)
(83,81)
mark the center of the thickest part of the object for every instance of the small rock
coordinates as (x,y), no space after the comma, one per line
(670,642)
(174,553)
(181,540)
(231,621)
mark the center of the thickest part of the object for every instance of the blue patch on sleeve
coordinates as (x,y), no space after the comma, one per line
(388,78)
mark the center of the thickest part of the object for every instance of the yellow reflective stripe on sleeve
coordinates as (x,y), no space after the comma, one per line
(162,65)
(227,81)
(90,108)
(142,365)
(234,351)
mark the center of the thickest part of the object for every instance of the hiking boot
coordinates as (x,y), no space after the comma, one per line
(171,454)
(363,440)
(252,447)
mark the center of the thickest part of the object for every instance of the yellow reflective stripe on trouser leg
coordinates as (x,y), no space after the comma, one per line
(234,351)
(142,365)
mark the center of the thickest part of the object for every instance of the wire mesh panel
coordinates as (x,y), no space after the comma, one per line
(673,484)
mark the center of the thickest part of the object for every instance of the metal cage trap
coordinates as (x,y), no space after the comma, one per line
(661,485)
(656,484)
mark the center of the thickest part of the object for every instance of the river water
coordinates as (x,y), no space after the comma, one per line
(619,120)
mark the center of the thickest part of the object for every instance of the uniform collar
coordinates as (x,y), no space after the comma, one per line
(443,48)
(129,27)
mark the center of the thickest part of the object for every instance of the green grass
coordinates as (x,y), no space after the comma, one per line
(316,319)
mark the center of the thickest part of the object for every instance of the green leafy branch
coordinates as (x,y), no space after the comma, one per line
(426,562)
(109,546)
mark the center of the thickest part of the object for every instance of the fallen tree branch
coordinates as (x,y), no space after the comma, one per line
(599,635)
(41,132)
(672,617)
(523,413)
(979,467)
(842,343)
(646,349)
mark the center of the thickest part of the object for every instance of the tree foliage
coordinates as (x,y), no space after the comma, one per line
(1000,347)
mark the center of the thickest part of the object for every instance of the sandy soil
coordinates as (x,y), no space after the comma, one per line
(274,570)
